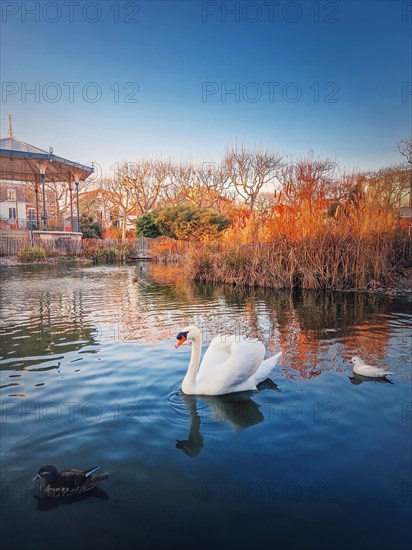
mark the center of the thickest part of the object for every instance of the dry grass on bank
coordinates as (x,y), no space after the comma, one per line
(303,247)
(166,250)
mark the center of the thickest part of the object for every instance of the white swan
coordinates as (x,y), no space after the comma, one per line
(231,364)
(367,370)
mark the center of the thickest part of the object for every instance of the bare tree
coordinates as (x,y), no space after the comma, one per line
(148,181)
(404,146)
(250,171)
(212,187)
(183,178)
(307,180)
(202,186)
(265,203)
(389,187)
(121,199)
(97,203)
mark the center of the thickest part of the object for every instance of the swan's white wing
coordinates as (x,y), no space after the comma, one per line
(218,352)
(246,357)
(222,348)
(228,365)
(266,368)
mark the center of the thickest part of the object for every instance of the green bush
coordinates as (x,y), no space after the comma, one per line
(146,226)
(32,254)
(91,229)
(185,223)
(110,254)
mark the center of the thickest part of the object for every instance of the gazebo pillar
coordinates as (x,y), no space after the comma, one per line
(71,204)
(42,166)
(36,191)
(77,204)
(43,187)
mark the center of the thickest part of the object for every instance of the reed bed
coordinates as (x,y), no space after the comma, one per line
(313,263)
(166,250)
(360,248)
(106,251)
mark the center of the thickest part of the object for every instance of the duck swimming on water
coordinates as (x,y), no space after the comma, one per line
(359,367)
(68,482)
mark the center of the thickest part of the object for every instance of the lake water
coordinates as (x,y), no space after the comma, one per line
(90,376)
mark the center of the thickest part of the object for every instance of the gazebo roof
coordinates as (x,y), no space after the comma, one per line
(21,161)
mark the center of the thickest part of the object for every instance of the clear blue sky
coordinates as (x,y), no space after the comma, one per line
(332,77)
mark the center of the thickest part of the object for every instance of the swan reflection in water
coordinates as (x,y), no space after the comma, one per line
(357,379)
(237,409)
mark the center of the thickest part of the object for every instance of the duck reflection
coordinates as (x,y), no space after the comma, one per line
(237,409)
(45,503)
(357,379)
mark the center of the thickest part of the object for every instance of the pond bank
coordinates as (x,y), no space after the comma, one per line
(399,287)
(13,261)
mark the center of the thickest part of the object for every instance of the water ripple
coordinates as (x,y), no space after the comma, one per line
(90,376)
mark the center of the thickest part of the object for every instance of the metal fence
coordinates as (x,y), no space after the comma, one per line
(10,223)
(141,248)
(11,246)
(53,224)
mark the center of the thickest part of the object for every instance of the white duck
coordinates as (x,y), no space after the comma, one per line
(230,364)
(359,367)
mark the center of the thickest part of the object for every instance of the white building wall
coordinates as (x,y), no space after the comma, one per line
(9,207)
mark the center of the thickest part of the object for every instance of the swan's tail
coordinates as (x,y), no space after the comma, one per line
(266,367)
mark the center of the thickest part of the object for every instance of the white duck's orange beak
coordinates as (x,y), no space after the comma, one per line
(181,341)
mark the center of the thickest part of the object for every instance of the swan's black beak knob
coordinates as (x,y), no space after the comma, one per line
(182,337)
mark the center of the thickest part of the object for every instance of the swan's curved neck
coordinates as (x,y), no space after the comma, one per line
(190,379)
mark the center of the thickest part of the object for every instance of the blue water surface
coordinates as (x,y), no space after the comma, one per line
(318,459)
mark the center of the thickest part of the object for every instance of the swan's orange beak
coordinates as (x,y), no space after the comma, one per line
(181,341)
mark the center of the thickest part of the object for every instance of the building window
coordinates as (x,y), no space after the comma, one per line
(12,214)
(11,194)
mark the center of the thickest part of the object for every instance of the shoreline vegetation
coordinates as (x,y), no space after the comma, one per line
(319,228)
(317,263)
(254,265)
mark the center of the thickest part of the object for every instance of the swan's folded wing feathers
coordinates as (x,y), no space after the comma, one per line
(248,355)
(229,363)
(246,358)
(217,353)
(266,368)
